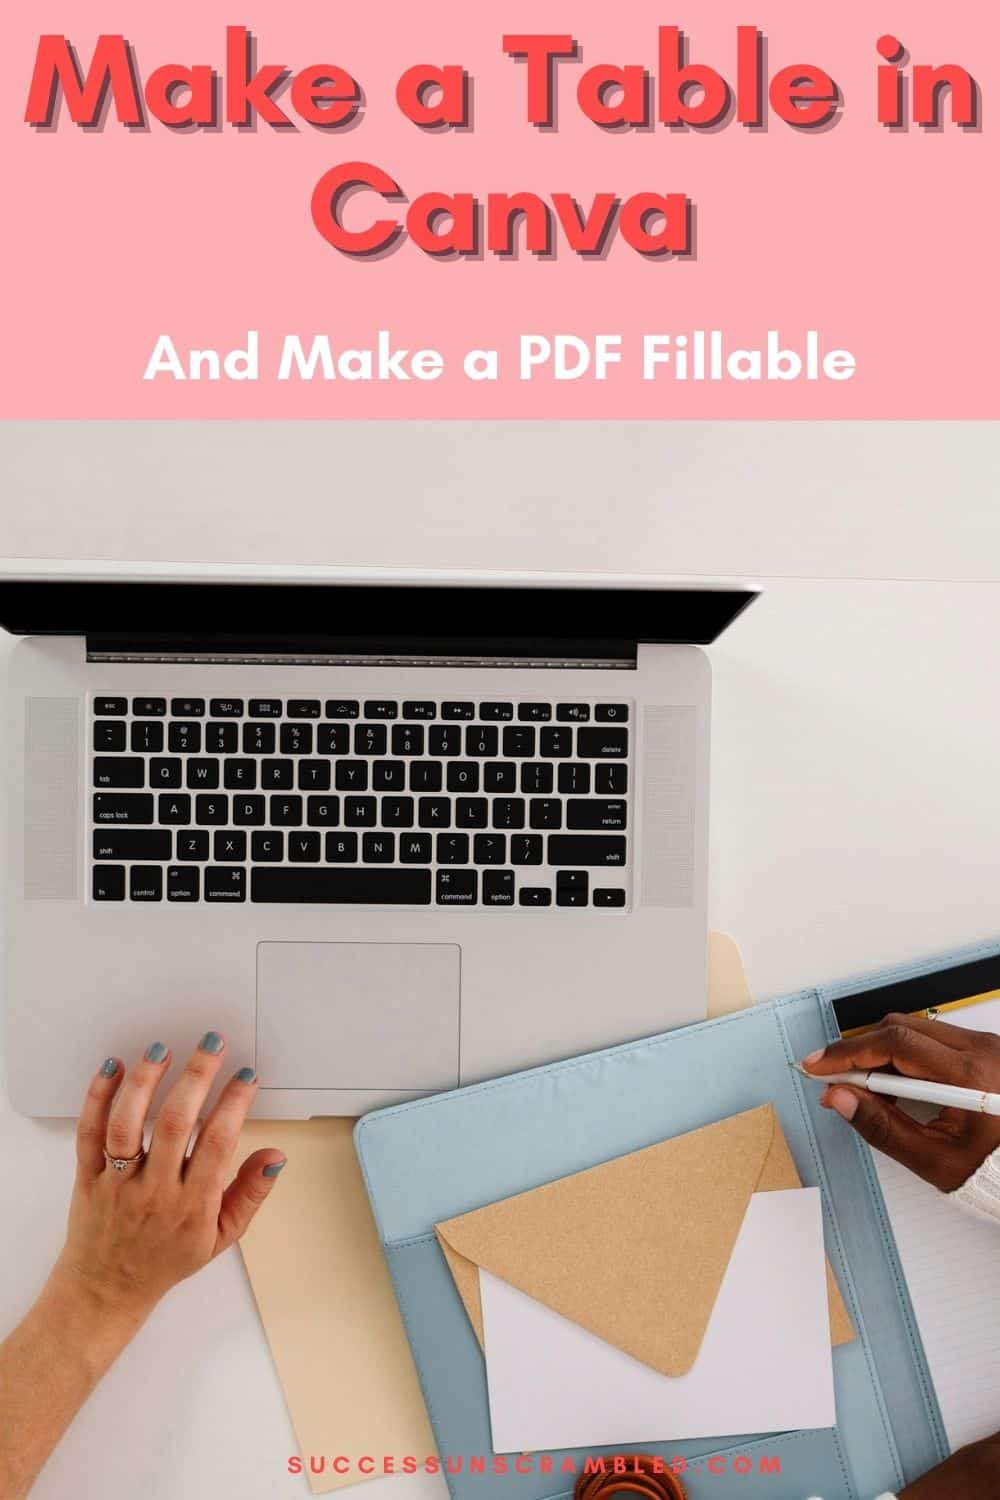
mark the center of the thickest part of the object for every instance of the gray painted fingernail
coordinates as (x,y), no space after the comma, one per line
(156,1052)
(272,1169)
(245,1075)
(109,1067)
(211,1042)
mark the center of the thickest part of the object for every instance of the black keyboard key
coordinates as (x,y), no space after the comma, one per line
(425,776)
(286,812)
(518,741)
(526,849)
(573,713)
(556,742)
(472,812)
(314,775)
(296,739)
(304,708)
(123,807)
(183,883)
(211,811)
(498,888)
(380,708)
(174,807)
(499,776)
(508,812)
(611,780)
(397,812)
(389,776)
(165,773)
(109,736)
(323,812)
(115,772)
(192,843)
(545,813)
(609,896)
(534,712)
(536,777)
(259,739)
(221,739)
(333,739)
(146,737)
(444,740)
(225,883)
(265,708)
(535,895)
(407,739)
(481,740)
(132,843)
(360,812)
(496,711)
(184,738)
(108,880)
(434,812)
(351,776)
(452,849)
(361,886)
(240,775)
(229,844)
(415,709)
(187,708)
(267,847)
(370,739)
(304,848)
(277,775)
(341,848)
(572,888)
(111,707)
(589,812)
(574,779)
(342,708)
(145,883)
(458,710)
(457,887)
(378,848)
(586,849)
(149,708)
(602,744)
(463,776)
(611,713)
(489,849)
(226,708)
(203,775)
(415,848)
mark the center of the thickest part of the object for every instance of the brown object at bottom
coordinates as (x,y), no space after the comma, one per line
(644,1475)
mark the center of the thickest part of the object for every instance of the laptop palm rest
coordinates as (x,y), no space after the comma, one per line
(358,1015)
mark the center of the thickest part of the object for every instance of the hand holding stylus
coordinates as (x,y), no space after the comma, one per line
(950,1147)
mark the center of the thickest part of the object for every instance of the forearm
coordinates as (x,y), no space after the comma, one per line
(49,1365)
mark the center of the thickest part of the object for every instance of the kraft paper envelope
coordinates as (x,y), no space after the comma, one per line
(634,1250)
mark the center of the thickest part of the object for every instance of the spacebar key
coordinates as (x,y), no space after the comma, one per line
(357,887)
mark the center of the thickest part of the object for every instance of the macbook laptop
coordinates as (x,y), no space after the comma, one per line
(390,833)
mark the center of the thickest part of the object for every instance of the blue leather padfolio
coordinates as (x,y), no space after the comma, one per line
(432,1159)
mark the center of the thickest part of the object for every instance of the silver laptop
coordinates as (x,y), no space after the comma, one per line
(389,833)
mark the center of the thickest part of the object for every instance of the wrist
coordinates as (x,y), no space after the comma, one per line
(100,1320)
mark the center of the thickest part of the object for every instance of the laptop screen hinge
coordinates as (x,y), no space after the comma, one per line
(103,653)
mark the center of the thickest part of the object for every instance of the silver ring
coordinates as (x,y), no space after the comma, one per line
(121,1163)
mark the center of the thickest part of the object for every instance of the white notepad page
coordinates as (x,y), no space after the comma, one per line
(951,1261)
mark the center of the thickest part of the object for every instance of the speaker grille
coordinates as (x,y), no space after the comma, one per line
(51,799)
(668,806)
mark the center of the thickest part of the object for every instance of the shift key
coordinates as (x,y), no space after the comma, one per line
(132,843)
(585,850)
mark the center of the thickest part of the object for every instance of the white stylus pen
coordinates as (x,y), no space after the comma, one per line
(948,1095)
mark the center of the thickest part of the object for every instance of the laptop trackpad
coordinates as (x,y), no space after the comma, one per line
(358,1015)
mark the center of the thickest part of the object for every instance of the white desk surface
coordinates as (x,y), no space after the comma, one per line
(855,821)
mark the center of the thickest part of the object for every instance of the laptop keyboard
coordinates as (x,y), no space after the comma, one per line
(364,802)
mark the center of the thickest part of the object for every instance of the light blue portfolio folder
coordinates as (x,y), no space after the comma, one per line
(433,1159)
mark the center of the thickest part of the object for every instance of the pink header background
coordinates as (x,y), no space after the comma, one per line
(885,242)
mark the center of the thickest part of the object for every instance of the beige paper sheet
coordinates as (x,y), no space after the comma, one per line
(324,1294)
